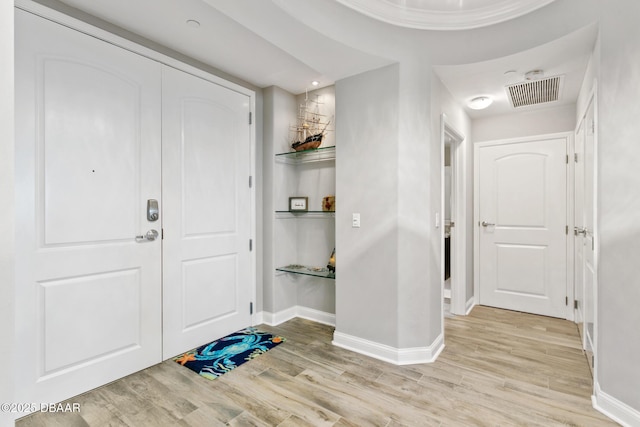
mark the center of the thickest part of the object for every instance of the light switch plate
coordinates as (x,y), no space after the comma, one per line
(356,220)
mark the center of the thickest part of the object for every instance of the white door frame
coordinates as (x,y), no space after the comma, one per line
(458,213)
(8,211)
(569,312)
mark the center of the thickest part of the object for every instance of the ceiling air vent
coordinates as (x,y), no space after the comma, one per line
(535,92)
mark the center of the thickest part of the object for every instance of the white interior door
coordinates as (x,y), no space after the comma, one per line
(206,167)
(578,230)
(522,219)
(585,275)
(88,295)
(589,244)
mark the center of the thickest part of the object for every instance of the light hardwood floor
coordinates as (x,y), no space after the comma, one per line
(499,368)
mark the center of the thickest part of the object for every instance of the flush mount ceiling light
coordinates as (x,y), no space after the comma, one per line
(479,102)
(193,23)
(315,83)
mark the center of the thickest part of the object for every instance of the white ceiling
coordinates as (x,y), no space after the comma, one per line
(289,43)
(444,14)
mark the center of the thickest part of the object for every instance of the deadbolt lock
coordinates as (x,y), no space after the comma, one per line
(152,210)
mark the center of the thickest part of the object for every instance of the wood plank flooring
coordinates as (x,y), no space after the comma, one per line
(499,368)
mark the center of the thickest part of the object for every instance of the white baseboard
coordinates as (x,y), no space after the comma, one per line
(470,304)
(274,319)
(611,407)
(316,315)
(397,356)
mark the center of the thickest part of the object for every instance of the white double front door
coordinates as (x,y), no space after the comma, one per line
(521,208)
(101,133)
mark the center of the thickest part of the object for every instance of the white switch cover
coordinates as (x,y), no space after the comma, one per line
(356,220)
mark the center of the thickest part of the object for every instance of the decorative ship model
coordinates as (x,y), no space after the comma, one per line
(311,126)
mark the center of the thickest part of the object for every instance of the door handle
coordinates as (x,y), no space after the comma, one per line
(578,230)
(151,235)
(487,224)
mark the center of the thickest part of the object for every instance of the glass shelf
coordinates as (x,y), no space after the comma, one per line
(305,215)
(307,271)
(307,212)
(308,156)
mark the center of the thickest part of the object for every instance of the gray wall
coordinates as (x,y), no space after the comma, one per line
(526,123)
(618,337)
(388,170)
(279,108)
(420,319)
(367,109)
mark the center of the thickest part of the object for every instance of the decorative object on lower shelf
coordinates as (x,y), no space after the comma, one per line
(329,204)
(332,261)
(298,204)
(294,266)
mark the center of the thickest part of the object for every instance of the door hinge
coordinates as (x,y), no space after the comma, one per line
(575,304)
(250,245)
(250,117)
(162,234)
(250,181)
(251,308)
(575,157)
(566,230)
(593,127)
(566,300)
(567,159)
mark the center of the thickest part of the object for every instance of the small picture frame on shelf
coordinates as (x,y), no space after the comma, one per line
(298,204)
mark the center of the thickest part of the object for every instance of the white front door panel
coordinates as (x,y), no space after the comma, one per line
(206,167)
(88,295)
(522,236)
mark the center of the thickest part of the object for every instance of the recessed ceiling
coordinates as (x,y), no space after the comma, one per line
(444,14)
(567,57)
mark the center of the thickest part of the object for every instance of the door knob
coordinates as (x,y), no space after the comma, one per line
(486,224)
(151,235)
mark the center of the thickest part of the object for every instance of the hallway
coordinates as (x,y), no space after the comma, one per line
(498,368)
